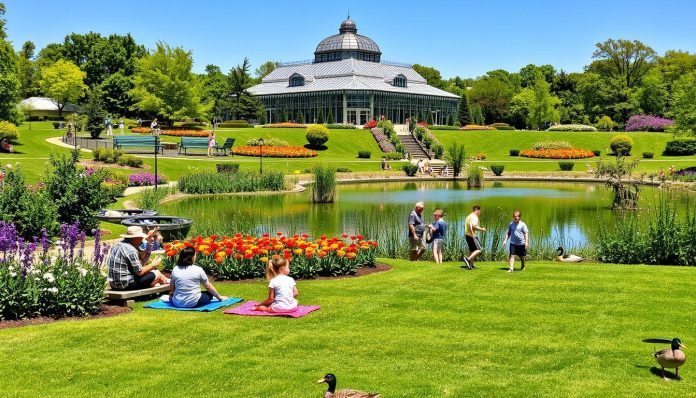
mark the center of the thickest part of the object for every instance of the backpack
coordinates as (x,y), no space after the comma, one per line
(428,235)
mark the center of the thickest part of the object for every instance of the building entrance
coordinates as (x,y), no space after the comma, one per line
(358,116)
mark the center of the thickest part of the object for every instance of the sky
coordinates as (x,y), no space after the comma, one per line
(459,38)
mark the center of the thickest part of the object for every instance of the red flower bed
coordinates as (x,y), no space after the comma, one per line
(285,125)
(574,153)
(275,151)
(173,133)
(370,125)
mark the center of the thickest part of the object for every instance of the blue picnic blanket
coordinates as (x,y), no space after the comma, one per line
(212,306)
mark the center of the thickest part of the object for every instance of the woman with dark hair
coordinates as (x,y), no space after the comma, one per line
(186,281)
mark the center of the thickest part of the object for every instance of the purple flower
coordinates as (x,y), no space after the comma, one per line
(45,246)
(647,123)
(69,236)
(27,256)
(8,238)
(145,178)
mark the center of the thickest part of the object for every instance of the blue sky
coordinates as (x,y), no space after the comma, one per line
(465,38)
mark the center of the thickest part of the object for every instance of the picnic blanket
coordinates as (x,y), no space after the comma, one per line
(163,304)
(247,309)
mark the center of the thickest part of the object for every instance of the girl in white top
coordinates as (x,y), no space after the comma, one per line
(282,291)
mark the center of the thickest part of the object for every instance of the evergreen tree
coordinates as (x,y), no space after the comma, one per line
(430,119)
(421,117)
(320,117)
(450,120)
(464,111)
(283,116)
(330,118)
(300,117)
(94,110)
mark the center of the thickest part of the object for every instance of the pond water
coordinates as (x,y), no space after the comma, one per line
(570,212)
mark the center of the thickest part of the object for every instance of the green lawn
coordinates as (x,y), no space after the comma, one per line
(416,331)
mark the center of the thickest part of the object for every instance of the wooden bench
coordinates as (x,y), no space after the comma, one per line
(135,141)
(192,142)
(125,297)
(222,150)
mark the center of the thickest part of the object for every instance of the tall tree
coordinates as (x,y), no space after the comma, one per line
(216,90)
(463,111)
(115,92)
(9,83)
(63,82)
(27,71)
(625,60)
(542,108)
(244,105)
(164,86)
(266,68)
(684,104)
(529,72)
(431,75)
(492,95)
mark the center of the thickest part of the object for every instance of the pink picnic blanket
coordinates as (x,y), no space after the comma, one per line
(248,309)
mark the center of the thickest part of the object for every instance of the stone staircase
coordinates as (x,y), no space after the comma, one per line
(413,147)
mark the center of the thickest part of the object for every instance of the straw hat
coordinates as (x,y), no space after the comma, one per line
(134,232)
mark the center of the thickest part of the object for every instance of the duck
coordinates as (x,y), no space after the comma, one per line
(331,392)
(671,358)
(568,258)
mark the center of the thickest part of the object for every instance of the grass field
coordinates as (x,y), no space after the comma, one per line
(419,330)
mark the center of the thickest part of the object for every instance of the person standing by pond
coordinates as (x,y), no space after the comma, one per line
(471,227)
(439,228)
(415,232)
(518,234)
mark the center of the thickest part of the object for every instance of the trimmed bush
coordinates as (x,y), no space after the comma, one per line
(605,124)
(438,150)
(410,169)
(8,131)
(227,168)
(340,126)
(317,135)
(621,145)
(551,145)
(364,154)
(343,170)
(571,127)
(680,147)
(129,160)
(497,169)
(267,142)
(393,155)
(514,152)
(596,152)
(235,124)
(440,127)
(501,126)
(648,155)
(566,166)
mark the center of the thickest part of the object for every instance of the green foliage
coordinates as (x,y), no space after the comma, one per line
(300,117)
(684,104)
(497,169)
(267,142)
(455,158)
(551,145)
(605,124)
(150,198)
(596,152)
(130,161)
(410,169)
(450,120)
(227,168)
(566,166)
(364,154)
(324,187)
(621,144)
(63,82)
(393,155)
(438,150)
(618,175)
(29,209)
(320,116)
(77,195)
(8,131)
(438,127)
(340,126)
(535,104)
(429,120)
(514,152)
(235,124)
(680,147)
(317,135)
(115,94)
(474,176)
(94,110)
(648,155)
(330,117)
(164,86)
(282,116)
(571,127)
(244,181)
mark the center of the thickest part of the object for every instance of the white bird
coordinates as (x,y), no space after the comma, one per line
(568,258)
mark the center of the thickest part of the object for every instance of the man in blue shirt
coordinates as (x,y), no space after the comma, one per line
(518,234)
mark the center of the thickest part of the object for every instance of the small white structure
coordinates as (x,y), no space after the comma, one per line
(42,106)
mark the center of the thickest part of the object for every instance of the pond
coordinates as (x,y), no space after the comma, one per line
(568,212)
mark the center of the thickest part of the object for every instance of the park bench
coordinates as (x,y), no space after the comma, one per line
(227,145)
(136,141)
(192,142)
(125,297)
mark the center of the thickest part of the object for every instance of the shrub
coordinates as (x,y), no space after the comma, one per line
(648,123)
(317,135)
(480,156)
(596,152)
(340,126)
(227,168)
(172,132)
(648,155)
(566,166)
(8,131)
(440,127)
(30,210)
(130,161)
(571,127)
(438,150)
(419,132)
(497,169)
(605,123)
(680,147)
(410,169)
(621,144)
(514,152)
(551,145)
(343,170)
(267,142)
(235,124)
(324,187)
(575,153)
(393,155)
(364,154)
(205,183)
(474,177)
(96,153)
(455,158)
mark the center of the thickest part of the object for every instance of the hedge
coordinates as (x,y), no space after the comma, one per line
(235,124)
(680,147)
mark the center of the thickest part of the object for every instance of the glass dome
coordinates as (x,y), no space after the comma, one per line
(347,44)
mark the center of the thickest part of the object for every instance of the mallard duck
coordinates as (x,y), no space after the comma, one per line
(331,392)
(568,258)
(672,357)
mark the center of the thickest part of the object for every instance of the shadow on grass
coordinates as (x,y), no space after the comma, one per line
(658,372)
(316,148)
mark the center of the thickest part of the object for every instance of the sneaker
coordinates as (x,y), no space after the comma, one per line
(472,265)
(510,270)
(467,264)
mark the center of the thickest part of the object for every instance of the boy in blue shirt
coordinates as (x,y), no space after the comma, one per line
(438,228)
(518,233)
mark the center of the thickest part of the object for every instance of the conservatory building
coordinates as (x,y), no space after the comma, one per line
(348,82)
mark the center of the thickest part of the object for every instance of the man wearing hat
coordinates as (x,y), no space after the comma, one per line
(125,270)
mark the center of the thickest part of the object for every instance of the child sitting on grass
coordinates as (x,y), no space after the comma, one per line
(282,290)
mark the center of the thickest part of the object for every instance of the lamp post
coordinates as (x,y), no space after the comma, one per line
(261,155)
(156,133)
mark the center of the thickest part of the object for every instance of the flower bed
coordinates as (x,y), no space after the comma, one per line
(173,133)
(648,123)
(573,153)
(383,140)
(471,127)
(35,283)
(571,127)
(145,179)
(370,125)
(275,151)
(286,125)
(267,142)
(240,256)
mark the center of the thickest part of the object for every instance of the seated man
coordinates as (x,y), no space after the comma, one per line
(154,239)
(125,269)
(5,146)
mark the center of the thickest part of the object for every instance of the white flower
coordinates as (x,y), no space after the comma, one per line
(10,268)
(13,274)
(53,289)
(82,271)
(49,277)
(9,166)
